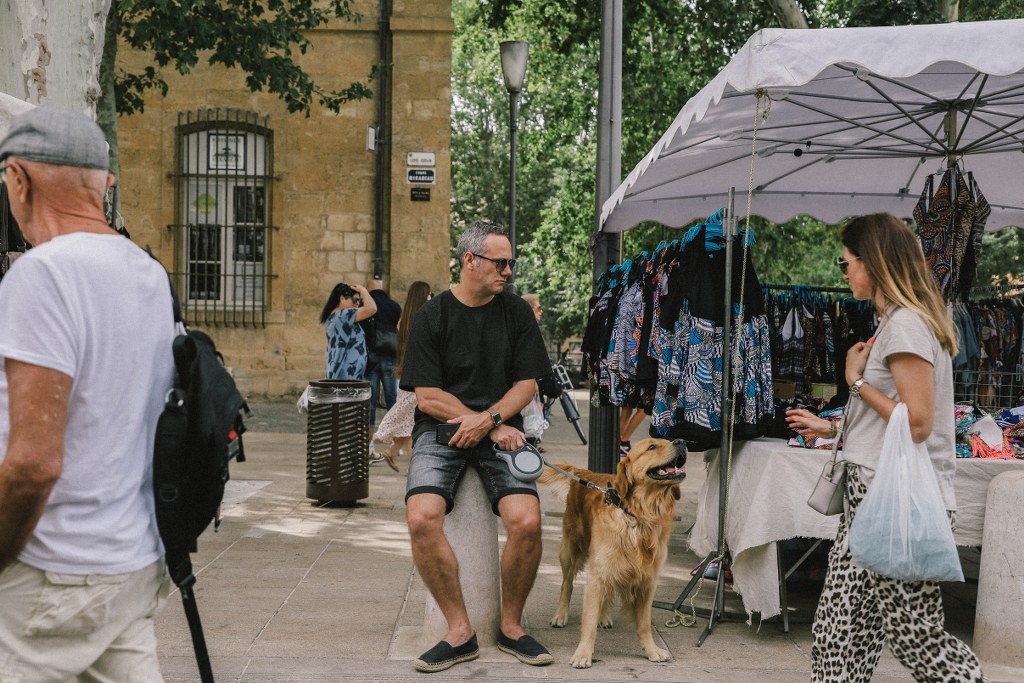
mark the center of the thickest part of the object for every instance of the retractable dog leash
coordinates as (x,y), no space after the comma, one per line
(526,464)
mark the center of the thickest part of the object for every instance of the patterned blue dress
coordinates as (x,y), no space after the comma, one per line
(346,346)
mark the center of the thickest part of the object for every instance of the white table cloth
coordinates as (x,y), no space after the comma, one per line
(768,491)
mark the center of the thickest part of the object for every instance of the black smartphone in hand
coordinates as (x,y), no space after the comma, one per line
(445,431)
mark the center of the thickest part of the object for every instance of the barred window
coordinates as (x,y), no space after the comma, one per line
(222,232)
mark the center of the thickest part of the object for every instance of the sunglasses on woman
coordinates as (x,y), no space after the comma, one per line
(844,264)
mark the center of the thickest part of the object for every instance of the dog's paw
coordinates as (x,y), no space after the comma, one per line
(559,620)
(656,654)
(583,658)
(606,622)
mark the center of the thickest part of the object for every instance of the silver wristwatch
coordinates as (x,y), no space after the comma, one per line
(496,418)
(856,386)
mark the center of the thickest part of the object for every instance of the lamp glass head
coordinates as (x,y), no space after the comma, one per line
(514,54)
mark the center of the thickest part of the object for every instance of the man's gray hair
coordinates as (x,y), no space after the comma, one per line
(474,238)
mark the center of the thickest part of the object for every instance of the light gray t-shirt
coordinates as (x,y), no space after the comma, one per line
(905,331)
(96,308)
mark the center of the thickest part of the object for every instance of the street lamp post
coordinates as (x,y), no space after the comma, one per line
(513,67)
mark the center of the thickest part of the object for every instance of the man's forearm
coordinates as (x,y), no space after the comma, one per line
(35,451)
(444,406)
(516,398)
(21,506)
(440,404)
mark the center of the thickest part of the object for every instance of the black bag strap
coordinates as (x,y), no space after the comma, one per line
(175,302)
(172,435)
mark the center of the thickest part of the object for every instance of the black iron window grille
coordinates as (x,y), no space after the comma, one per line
(222,231)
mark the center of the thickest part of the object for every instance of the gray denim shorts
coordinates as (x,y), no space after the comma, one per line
(438,468)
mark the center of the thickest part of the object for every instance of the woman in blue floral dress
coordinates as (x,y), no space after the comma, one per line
(346,307)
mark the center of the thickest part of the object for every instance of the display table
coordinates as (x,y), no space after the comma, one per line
(768,491)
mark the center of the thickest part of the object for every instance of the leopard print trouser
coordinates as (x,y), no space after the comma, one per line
(859,611)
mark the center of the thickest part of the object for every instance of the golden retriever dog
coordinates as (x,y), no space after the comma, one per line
(622,546)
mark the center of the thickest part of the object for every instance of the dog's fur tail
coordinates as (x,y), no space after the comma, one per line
(557,482)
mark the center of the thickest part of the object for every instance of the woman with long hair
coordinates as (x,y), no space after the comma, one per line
(396,427)
(346,307)
(909,360)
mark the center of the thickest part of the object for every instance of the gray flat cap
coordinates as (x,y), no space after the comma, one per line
(56,136)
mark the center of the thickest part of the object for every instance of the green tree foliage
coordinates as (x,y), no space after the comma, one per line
(671,49)
(261,37)
(981,10)
(1002,258)
(879,12)
(557,262)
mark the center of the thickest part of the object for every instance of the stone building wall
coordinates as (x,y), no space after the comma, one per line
(323,197)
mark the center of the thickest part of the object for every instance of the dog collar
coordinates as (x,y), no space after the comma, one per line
(612,497)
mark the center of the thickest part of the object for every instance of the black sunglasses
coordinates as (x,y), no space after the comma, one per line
(499,263)
(844,264)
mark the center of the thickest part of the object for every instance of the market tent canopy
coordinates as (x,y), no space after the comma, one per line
(857,119)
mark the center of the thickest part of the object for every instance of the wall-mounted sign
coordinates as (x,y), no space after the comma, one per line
(420,176)
(420,159)
(226,152)
(419,194)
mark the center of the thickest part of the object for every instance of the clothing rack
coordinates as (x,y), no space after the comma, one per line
(811,288)
(996,288)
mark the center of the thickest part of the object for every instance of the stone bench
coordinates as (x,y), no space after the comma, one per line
(472,530)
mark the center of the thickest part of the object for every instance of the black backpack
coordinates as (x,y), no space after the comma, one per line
(381,339)
(197,435)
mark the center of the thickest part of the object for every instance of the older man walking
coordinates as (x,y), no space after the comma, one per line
(85,362)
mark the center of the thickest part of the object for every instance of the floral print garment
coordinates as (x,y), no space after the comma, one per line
(346,346)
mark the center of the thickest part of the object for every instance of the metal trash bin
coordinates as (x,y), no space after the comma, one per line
(338,441)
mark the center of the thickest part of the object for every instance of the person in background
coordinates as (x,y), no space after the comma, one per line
(473,358)
(396,427)
(534,301)
(537,418)
(346,342)
(630,417)
(85,364)
(381,352)
(910,361)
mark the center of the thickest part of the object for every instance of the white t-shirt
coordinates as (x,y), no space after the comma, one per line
(905,331)
(98,309)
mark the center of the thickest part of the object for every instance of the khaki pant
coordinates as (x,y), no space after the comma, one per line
(80,627)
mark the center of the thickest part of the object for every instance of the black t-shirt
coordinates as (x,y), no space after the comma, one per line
(385,320)
(388,310)
(474,353)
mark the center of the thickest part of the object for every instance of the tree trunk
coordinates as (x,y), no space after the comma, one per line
(52,53)
(106,108)
(106,113)
(950,9)
(789,13)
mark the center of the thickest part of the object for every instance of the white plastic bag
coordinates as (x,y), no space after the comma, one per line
(534,423)
(900,529)
(303,403)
